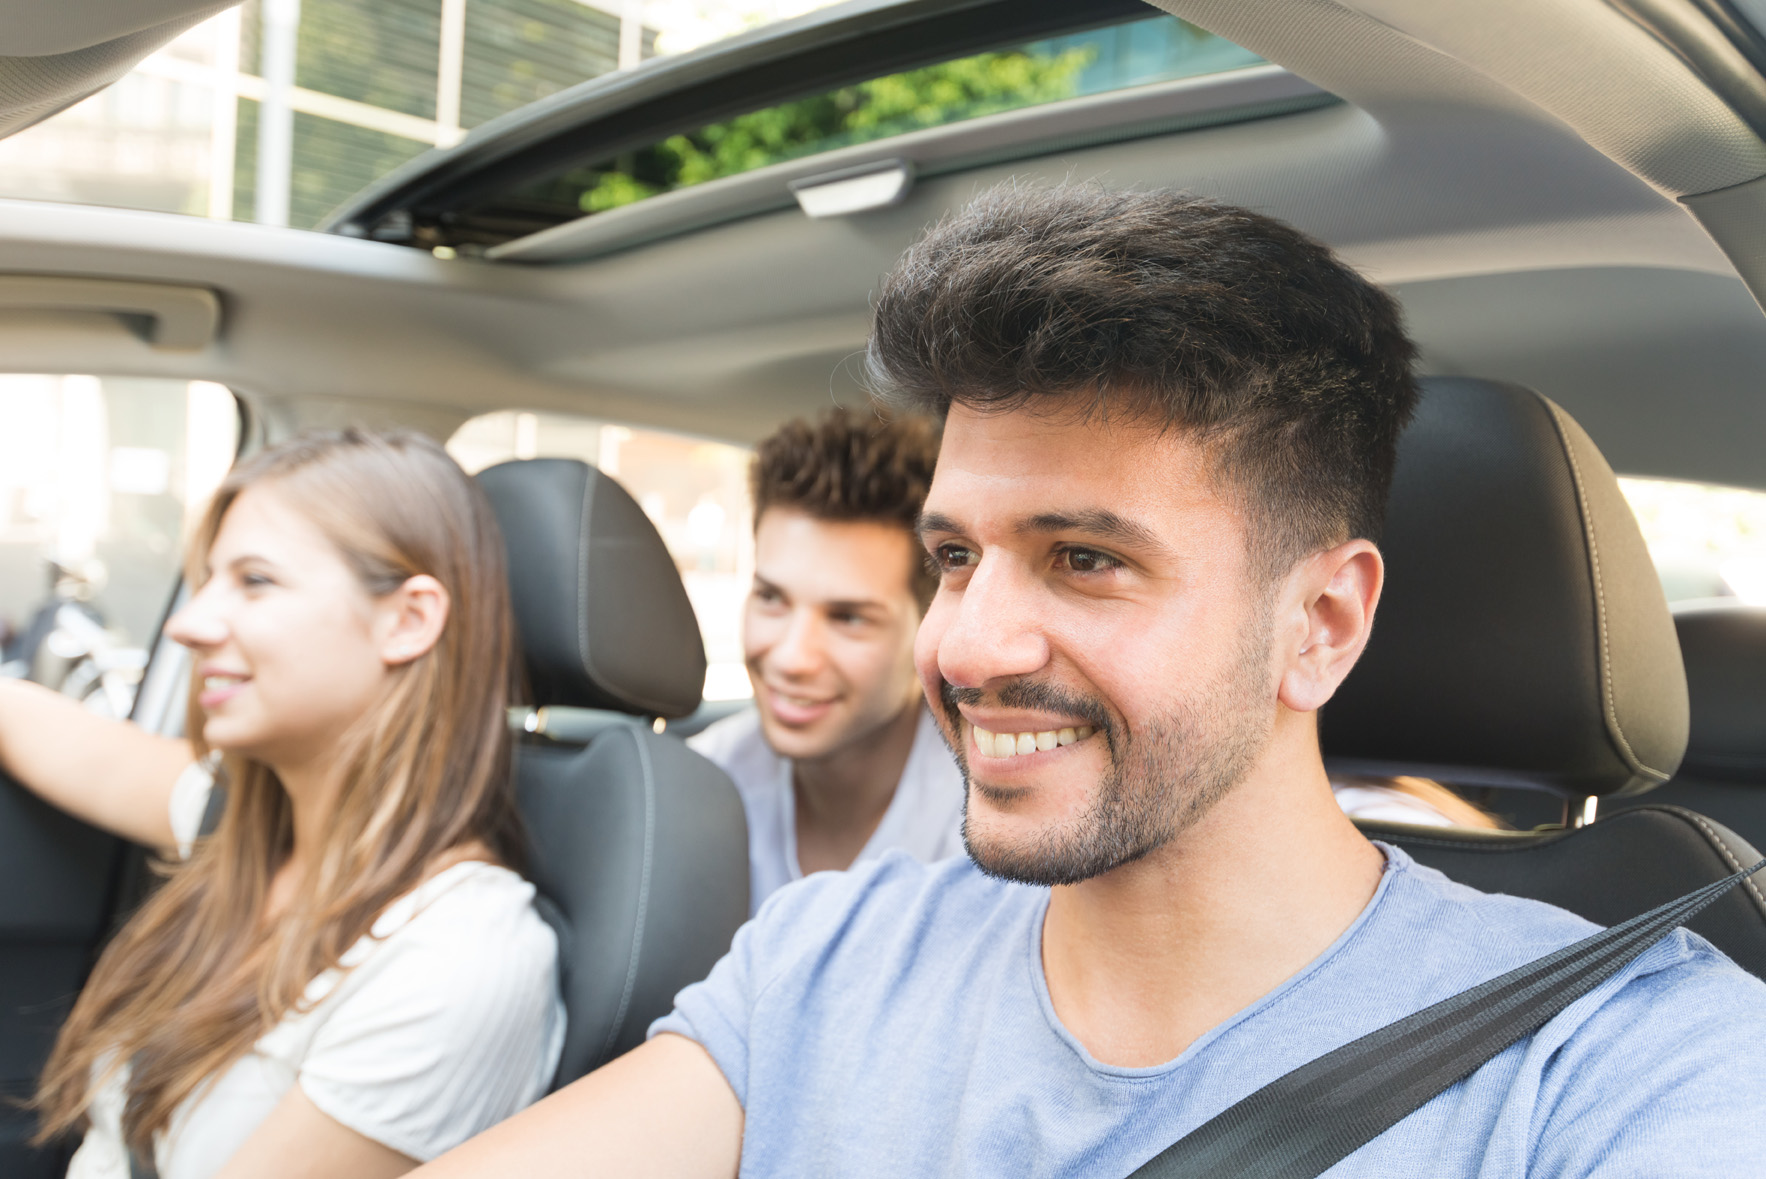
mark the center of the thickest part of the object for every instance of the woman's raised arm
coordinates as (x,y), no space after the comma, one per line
(109,773)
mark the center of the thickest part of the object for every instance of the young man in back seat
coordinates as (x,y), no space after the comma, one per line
(1171,427)
(839,760)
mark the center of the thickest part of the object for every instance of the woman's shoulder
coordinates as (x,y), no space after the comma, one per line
(464,944)
(450,1020)
(470,913)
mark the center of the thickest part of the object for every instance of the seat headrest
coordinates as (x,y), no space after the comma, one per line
(604,619)
(1522,638)
(1723,644)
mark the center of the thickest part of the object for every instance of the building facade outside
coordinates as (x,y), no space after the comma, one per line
(278,110)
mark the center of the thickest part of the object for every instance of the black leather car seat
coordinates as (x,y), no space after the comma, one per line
(1723,644)
(1523,641)
(638,843)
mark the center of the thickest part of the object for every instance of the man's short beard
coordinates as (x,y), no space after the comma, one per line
(1159,782)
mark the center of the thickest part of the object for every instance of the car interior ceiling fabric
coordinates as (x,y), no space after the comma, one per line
(1624,91)
(1523,640)
(53,57)
(638,844)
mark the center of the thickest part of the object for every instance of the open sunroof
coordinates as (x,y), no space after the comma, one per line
(860,74)
(1134,53)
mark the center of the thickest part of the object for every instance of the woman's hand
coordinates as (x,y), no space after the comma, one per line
(108,773)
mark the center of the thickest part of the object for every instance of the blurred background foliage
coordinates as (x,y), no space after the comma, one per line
(927,97)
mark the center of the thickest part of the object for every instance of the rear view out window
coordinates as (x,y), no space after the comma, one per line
(695,491)
(1706,541)
(101,481)
(1154,49)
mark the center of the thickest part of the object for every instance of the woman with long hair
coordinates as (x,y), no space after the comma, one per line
(347,977)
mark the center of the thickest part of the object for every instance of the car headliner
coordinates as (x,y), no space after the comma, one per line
(1516,170)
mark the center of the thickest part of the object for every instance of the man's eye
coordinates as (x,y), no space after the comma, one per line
(1086,560)
(254,580)
(953,556)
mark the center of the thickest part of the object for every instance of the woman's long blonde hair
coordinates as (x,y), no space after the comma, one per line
(197,975)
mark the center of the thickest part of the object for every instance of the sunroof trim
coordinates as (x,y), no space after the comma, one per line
(1160,108)
(820,50)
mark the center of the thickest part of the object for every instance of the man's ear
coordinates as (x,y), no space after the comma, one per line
(1336,592)
(412,618)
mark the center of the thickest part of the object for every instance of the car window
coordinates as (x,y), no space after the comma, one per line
(693,489)
(101,480)
(1707,540)
(370,85)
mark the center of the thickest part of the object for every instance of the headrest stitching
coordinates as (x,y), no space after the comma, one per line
(1728,856)
(1608,706)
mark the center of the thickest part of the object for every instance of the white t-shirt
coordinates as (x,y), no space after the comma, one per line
(441,1023)
(924,819)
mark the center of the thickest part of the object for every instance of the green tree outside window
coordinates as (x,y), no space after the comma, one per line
(931,96)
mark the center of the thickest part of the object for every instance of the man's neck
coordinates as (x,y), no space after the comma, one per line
(1144,959)
(841,797)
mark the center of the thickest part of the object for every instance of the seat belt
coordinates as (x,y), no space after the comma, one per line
(1306,1121)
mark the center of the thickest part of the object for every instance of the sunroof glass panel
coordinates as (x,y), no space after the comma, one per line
(1098,61)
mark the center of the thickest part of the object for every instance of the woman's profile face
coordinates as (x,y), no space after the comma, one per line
(285,638)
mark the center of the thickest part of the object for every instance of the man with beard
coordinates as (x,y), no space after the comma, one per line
(1170,431)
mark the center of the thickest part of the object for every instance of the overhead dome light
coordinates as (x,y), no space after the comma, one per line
(854,190)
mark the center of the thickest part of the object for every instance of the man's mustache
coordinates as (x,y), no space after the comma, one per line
(1029,694)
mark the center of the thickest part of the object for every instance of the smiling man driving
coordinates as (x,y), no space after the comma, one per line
(1171,428)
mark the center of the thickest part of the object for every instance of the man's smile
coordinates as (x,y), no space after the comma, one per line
(1004,745)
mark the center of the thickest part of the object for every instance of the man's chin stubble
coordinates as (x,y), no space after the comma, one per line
(1125,823)
(1159,782)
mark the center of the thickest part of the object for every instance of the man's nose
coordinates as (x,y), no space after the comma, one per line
(800,650)
(992,628)
(198,622)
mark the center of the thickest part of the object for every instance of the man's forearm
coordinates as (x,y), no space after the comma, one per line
(663,1109)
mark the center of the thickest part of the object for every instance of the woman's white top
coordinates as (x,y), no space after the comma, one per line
(924,817)
(442,1022)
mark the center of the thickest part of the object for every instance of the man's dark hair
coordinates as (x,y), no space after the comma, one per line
(1293,369)
(851,466)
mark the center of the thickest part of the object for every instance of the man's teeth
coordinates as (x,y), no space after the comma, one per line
(1012,744)
(214,683)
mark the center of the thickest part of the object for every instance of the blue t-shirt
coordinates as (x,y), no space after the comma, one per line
(894,1020)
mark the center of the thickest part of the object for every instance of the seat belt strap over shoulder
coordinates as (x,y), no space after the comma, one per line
(1303,1123)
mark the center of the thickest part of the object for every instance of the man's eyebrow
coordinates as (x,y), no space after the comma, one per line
(854,606)
(1101,523)
(936,522)
(849,605)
